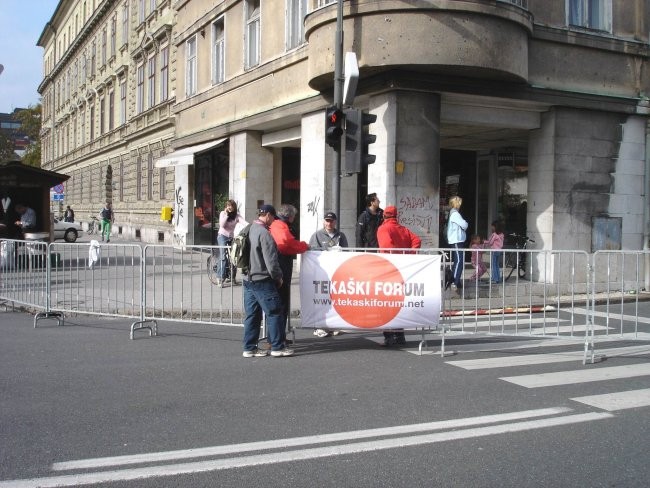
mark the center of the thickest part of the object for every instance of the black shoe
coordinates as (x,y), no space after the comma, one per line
(400,338)
(389,339)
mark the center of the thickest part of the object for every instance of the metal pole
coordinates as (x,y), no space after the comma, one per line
(338,101)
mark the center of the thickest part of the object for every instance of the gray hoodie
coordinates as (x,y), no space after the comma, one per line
(264,262)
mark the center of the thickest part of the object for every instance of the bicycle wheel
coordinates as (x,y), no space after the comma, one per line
(212,268)
(522,266)
(510,263)
(91,229)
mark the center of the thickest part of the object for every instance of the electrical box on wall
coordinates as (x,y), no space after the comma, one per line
(606,233)
(166,213)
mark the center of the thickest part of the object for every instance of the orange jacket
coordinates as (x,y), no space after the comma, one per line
(284,239)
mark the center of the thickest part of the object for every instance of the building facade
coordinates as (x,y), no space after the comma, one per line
(107,109)
(534,111)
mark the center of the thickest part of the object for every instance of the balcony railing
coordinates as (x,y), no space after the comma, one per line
(517,3)
(314,4)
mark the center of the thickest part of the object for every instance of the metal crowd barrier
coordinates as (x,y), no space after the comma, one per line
(541,294)
(23,273)
(176,287)
(94,279)
(619,279)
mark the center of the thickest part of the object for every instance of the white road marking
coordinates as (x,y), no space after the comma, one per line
(579,376)
(529,359)
(621,400)
(306,440)
(304,454)
(615,316)
(514,344)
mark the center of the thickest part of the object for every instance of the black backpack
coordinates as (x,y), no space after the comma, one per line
(240,250)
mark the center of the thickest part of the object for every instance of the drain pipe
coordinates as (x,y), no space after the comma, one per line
(646,205)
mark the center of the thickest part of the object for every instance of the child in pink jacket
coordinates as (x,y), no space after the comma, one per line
(495,242)
(476,244)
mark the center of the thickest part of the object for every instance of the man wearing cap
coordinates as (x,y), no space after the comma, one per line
(392,235)
(325,239)
(288,247)
(329,236)
(261,289)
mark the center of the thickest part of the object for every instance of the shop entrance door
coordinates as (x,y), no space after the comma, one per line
(211,191)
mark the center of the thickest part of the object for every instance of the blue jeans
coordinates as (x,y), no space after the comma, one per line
(223,271)
(262,296)
(458,263)
(495,266)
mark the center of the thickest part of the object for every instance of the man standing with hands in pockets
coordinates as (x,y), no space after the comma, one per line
(261,289)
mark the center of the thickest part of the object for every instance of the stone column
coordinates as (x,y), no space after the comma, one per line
(407,170)
(251,172)
(317,179)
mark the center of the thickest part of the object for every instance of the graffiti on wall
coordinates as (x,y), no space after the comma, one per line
(418,212)
(312,207)
(180,204)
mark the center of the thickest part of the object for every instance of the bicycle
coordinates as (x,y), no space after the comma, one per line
(94,226)
(517,260)
(213,263)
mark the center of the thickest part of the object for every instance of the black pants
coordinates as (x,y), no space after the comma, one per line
(458,263)
(286,264)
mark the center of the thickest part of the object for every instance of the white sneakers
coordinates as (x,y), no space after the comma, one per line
(282,353)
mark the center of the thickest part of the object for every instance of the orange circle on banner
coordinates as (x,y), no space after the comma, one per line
(363,291)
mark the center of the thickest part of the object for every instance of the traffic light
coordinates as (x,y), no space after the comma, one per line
(333,126)
(357,140)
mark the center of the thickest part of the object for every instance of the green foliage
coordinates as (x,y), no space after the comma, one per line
(30,120)
(6,147)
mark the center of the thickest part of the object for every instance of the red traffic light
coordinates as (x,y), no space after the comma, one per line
(333,126)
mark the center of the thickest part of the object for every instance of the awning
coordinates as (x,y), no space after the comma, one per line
(185,156)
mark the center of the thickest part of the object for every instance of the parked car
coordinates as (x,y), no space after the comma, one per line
(68,231)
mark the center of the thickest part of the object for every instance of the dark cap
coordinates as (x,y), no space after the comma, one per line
(390,212)
(330,216)
(266,209)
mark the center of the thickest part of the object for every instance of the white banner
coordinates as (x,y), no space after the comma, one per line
(351,290)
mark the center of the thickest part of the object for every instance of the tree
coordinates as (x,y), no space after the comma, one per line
(30,120)
(6,147)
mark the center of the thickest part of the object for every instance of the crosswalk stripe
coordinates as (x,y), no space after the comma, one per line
(305,440)
(483,342)
(292,456)
(615,316)
(524,329)
(530,359)
(621,400)
(579,376)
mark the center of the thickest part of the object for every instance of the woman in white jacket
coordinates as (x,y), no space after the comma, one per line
(456,236)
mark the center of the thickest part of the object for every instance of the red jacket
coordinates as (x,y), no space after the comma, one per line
(392,235)
(284,239)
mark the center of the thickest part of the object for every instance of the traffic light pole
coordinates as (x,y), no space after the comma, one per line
(338,102)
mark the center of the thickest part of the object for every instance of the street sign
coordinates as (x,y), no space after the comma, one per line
(56,197)
(58,188)
(351,78)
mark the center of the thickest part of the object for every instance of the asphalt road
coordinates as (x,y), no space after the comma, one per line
(82,405)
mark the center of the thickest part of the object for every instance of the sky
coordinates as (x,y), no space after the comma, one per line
(21,24)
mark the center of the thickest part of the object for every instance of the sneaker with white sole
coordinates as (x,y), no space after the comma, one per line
(282,353)
(322,333)
(255,353)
